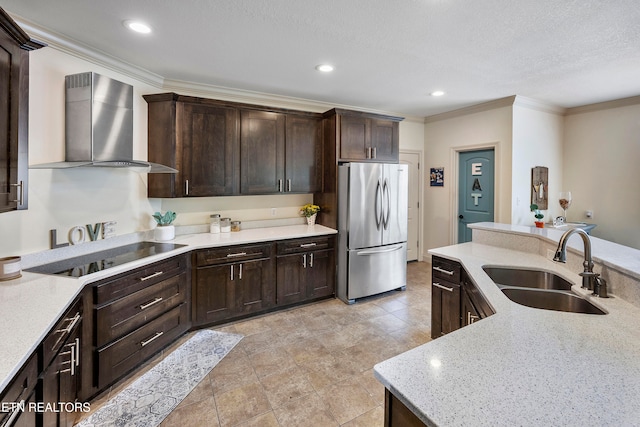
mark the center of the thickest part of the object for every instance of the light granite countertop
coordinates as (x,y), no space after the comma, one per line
(524,366)
(31,304)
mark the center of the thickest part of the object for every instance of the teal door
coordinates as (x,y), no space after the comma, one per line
(476,190)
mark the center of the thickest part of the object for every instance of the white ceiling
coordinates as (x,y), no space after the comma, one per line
(388,55)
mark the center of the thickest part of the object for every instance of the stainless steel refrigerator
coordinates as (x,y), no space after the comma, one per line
(372,225)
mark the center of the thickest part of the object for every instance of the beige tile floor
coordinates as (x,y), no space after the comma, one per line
(308,366)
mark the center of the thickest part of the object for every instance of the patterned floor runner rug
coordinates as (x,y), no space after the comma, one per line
(149,399)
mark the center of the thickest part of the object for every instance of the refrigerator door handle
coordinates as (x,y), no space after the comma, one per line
(379,251)
(385,191)
(379,204)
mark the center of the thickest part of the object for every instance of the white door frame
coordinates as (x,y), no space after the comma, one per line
(420,154)
(454,159)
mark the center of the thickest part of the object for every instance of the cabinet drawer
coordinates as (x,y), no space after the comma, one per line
(305,245)
(232,254)
(58,335)
(126,314)
(130,351)
(20,388)
(446,269)
(128,283)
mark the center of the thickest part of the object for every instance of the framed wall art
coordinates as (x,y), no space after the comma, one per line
(436,177)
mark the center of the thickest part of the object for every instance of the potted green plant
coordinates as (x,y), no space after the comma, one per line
(165,229)
(310,211)
(539,215)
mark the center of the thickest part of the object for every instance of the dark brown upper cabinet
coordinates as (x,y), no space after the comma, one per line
(281,153)
(363,136)
(262,143)
(303,154)
(201,140)
(224,148)
(15,45)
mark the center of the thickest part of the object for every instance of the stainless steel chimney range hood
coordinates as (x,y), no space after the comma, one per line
(99,126)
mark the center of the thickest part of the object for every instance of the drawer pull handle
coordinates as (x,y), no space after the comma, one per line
(438,285)
(72,323)
(471,318)
(442,270)
(150,303)
(236,254)
(151,276)
(15,413)
(153,338)
(308,245)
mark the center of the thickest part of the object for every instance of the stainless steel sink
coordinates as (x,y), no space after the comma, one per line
(539,289)
(551,300)
(526,278)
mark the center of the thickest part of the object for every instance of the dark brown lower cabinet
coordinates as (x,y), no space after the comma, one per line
(19,394)
(233,282)
(396,414)
(61,376)
(305,269)
(136,314)
(455,299)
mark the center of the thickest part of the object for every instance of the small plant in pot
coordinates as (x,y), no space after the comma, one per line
(310,211)
(539,215)
(165,229)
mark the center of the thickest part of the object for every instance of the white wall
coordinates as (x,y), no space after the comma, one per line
(601,169)
(443,137)
(537,141)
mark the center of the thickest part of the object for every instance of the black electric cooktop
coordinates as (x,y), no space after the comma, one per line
(98,261)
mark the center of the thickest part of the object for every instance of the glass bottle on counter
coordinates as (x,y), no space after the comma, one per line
(225,225)
(235,225)
(214,224)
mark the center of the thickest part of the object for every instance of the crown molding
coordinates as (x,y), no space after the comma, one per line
(478,108)
(534,104)
(616,103)
(80,50)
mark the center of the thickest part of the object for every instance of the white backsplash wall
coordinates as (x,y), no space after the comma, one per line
(197,210)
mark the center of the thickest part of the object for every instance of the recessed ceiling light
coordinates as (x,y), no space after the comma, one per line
(137,26)
(325,68)
(437,93)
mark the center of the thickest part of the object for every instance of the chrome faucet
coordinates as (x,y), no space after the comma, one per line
(590,280)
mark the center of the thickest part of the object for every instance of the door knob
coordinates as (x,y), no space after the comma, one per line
(460,216)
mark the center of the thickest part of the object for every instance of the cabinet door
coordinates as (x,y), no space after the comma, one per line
(354,138)
(214,294)
(210,161)
(262,139)
(61,381)
(445,307)
(469,312)
(13,142)
(385,140)
(290,285)
(303,154)
(320,274)
(254,286)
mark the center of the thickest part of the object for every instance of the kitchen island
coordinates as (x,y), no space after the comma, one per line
(527,366)
(33,303)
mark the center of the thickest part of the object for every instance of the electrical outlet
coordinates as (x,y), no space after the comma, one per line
(273,211)
(550,254)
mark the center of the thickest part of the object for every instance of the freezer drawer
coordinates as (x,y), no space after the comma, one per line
(375,270)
